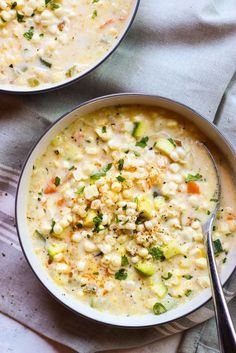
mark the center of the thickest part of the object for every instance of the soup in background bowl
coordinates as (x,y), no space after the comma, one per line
(47,43)
(116,196)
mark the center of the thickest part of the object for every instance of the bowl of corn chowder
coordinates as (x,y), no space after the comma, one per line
(46,44)
(110,205)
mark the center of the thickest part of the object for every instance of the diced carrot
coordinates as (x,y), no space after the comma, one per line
(60,202)
(230,217)
(51,187)
(107,23)
(61,26)
(193,188)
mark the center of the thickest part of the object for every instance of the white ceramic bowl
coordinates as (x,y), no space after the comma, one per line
(212,134)
(52,86)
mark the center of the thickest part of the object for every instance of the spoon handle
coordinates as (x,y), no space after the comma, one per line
(225,328)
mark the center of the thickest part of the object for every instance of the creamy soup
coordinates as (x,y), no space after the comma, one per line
(115,209)
(49,41)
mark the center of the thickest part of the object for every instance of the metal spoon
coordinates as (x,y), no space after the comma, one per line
(225,328)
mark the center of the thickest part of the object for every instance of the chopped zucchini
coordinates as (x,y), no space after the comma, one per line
(145,206)
(160,289)
(146,268)
(139,129)
(88,222)
(171,249)
(165,146)
(55,249)
(159,201)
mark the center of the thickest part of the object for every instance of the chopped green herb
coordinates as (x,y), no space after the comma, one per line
(94,1)
(52,226)
(140,219)
(72,168)
(156,253)
(97,222)
(120,178)
(29,34)
(159,308)
(190,177)
(71,71)
(124,260)
(172,141)
(155,194)
(40,235)
(120,164)
(45,63)
(143,142)
(104,129)
(214,200)
(13,5)
(80,190)
(57,181)
(20,17)
(188,292)
(121,275)
(52,4)
(187,276)
(208,212)
(102,173)
(124,207)
(94,15)
(218,248)
(169,275)
(224,260)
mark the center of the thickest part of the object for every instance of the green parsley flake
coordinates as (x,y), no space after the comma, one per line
(169,275)
(94,15)
(121,275)
(20,17)
(29,35)
(188,292)
(45,63)
(143,142)
(80,190)
(188,277)
(57,181)
(190,177)
(218,248)
(102,173)
(40,235)
(97,222)
(124,260)
(172,141)
(120,178)
(120,164)
(157,253)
